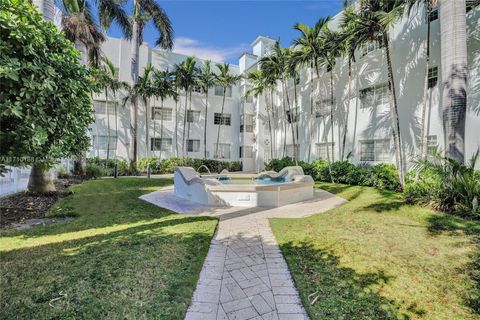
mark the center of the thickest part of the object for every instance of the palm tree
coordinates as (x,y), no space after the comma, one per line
(186,73)
(260,84)
(144,90)
(309,52)
(206,80)
(144,12)
(224,79)
(112,83)
(454,76)
(348,25)
(47,7)
(163,87)
(375,18)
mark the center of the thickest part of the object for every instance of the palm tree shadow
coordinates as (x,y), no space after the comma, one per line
(339,292)
(453,226)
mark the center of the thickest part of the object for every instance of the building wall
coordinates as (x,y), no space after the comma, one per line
(362,122)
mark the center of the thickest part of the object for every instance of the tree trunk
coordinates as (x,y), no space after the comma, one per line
(116,126)
(135,54)
(108,124)
(291,120)
(205,129)
(161,131)
(310,119)
(147,126)
(423,142)
(41,180)
(176,124)
(80,162)
(188,123)
(394,114)
(47,7)
(269,128)
(184,122)
(221,120)
(345,128)
(332,102)
(453,37)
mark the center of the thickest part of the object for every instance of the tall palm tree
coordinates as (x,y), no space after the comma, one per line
(186,73)
(144,91)
(144,12)
(163,87)
(261,85)
(376,17)
(348,25)
(309,52)
(454,76)
(206,80)
(224,79)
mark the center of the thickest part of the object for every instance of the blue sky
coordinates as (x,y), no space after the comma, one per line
(222,30)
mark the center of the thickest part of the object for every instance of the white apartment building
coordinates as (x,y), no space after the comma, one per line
(245,133)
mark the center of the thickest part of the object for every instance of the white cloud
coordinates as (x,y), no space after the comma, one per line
(189,46)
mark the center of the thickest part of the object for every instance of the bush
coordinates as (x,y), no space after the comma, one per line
(339,171)
(319,171)
(94,171)
(383,176)
(166,165)
(108,166)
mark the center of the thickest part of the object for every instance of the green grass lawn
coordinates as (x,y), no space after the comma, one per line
(378,258)
(120,258)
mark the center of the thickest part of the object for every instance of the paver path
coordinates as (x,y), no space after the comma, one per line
(245,275)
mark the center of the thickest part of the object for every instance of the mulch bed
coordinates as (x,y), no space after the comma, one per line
(22,206)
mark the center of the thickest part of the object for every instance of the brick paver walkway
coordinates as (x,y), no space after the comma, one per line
(245,275)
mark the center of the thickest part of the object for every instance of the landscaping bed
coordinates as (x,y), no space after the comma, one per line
(378,258)
(120,257)
(22,206)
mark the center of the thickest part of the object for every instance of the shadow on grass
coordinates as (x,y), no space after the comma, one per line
(149,271)
(342,292)
(453,226)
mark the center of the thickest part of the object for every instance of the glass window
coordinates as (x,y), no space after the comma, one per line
(159,113)
(292,115)
(197,89)
(375,150)
(322,152)
(433,14)
(322,108)
(246,123)
(101,107)
(160,144)
(432,77)
(193,116)
(472,4)
(371,46)
(374,96)
(432,145)
(246,152)
(219,91)
(223,119)
(100,142)
(222,152)
(193,145)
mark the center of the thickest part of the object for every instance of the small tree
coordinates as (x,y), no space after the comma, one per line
(45,103)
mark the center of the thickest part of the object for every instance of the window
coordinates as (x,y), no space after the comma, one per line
(372,45)
(433,15)
(219,91)
(247,98)
(197,89)
(193,145)
(246,123)
(246,152)
(292,115)
(222,118)
(432,77)
(432,145)
(160,144)
(222,152)
(193,116)
(101,107)
(323,150)
(375,150)
(291,148)
(100,142)
(322,108)
(374,96)
(329,68)
(162,113)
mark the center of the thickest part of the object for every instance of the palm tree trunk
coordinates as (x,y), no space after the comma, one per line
(394,114)
(454,76)
(176,124)
(155,132)
(205,129)
(332,101)
(188,123)
(426,92)
(345,128)
(310,119)
(184,122)
(147,127)
(108,123)
(116,128)
(47,7)
(135,54)
(291,120)
(221,120)
(161,132)
(269,128)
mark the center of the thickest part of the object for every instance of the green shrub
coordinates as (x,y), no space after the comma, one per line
(339,171)
(109,165)
(94,171)
(154,162)
(320,171)
(383,176)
